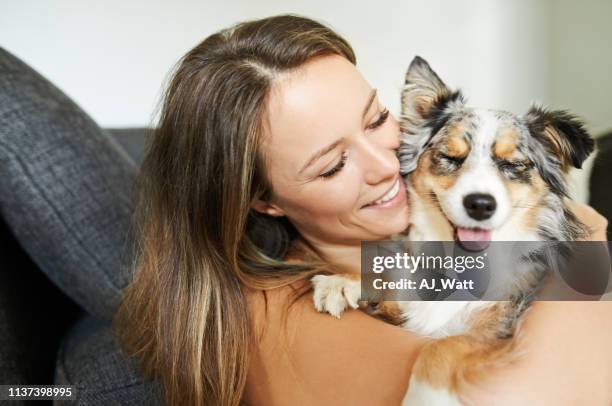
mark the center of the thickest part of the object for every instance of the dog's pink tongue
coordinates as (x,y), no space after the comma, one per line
(473,234)
(473,239)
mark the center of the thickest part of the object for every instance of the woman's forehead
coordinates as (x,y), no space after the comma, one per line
(314,106)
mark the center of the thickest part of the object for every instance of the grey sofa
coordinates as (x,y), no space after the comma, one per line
(46,338)
(63,266)
(66,196)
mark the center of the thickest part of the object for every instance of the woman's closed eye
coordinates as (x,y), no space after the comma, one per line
(380,120)
(336,168)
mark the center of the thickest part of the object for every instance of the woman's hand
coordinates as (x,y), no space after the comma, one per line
(595,222)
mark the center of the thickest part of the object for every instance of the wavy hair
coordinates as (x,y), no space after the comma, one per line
(199,245)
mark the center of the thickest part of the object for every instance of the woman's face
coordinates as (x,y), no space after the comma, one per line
(330,153)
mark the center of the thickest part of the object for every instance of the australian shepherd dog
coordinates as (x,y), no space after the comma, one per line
(472,175)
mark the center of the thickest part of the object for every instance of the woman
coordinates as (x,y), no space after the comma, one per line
(268,128)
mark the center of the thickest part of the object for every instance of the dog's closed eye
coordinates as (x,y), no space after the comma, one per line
(515,170)
(451,160)
(514,166)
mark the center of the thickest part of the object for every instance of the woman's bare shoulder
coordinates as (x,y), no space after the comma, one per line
(306,357)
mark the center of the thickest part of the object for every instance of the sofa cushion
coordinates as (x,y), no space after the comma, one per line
(34,315)
(89,359)
(132,140)
(66,187)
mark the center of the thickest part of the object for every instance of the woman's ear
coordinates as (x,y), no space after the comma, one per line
(268,208)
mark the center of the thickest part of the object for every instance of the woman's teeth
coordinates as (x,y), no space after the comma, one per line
(390,194)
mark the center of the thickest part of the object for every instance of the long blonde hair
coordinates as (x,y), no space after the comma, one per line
(199,244)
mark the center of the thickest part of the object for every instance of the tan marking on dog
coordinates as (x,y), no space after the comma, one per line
(537,192)
(456,144)
(423,101)
(423,105)
(525,200)
(455,363)
(417,178)
(457,147)
(560,145)
(505,144)
(423,172)
(447,182)
(389,312)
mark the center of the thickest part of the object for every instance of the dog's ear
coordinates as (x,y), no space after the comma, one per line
(425,110)
(563,135)
(423,89)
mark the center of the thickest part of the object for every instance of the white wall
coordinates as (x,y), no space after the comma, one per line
(581,57)
(581,68)
(111,56)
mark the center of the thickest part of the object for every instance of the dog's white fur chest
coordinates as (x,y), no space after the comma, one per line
(439,319)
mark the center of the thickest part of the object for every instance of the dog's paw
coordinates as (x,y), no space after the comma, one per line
(421,394)
(334,293)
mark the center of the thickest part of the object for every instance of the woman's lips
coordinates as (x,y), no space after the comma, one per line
(399,197)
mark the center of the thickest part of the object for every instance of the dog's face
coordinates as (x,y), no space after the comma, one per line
(484,169)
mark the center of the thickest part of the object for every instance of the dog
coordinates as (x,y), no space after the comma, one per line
(473,175)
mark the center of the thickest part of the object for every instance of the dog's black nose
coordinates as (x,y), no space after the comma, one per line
(480,206)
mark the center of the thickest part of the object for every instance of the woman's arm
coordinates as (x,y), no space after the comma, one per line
(567,358)
(318,359)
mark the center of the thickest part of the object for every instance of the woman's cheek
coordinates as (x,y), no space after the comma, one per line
(341,197)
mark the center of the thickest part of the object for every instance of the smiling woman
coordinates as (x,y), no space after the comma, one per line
(330,154)
(267,122)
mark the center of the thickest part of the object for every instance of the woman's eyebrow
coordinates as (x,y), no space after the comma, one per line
(333,145)
(369,104)
(320,153)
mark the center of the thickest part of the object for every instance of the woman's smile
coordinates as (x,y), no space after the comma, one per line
(394,198)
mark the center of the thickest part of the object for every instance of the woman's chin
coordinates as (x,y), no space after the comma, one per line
(387,230)
(387,226)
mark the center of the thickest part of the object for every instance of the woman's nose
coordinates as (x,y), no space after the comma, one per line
(379,163)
